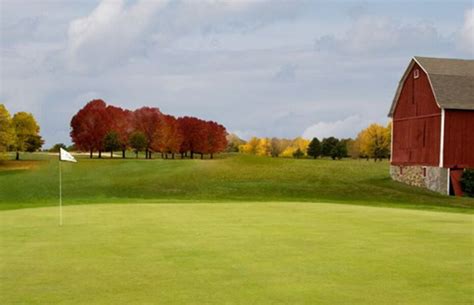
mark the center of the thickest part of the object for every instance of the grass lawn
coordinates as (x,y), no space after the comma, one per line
(235,253)
(231,178)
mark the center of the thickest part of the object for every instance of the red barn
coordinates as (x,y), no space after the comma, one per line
(433,124)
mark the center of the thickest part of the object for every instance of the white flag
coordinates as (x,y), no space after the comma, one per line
(65,156)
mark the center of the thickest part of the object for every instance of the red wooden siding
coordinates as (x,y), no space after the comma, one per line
(459,139)
(416,123)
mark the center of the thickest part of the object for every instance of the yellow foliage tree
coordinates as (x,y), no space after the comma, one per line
(374,141)
(297,143)
(7,131)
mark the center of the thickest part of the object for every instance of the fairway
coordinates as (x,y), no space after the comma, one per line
(235,253)
(230,178)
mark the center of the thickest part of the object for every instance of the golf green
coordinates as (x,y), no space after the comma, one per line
(235,253)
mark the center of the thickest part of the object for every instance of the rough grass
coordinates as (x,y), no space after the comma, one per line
(229,178)
(235,253)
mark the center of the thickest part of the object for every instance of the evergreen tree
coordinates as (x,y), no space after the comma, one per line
(314,148)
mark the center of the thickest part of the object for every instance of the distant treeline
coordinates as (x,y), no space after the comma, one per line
(372,142)
(101,127)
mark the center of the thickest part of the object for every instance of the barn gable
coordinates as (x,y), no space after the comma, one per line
(451,81)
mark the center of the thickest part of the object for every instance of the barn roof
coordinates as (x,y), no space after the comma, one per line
(452,81)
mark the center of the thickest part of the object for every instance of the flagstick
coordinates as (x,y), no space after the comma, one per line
(60,196)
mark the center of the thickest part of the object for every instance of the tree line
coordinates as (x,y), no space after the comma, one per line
(19,133)
(372,142)
(99,127)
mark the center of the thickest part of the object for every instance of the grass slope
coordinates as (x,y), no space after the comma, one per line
(229,178)
(246,253)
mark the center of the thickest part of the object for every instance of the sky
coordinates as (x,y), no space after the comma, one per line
(261,68)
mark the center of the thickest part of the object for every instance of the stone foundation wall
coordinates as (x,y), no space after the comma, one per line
(430,177)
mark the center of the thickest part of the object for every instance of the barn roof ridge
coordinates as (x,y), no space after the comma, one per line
(451,79)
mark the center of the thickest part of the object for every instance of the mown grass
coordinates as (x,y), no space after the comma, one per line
(231,177)
(235,253)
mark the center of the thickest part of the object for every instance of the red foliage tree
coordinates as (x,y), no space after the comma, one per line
(89,126)
(169,137)
(194,135)
(149,121)
(216,138)
(121,121)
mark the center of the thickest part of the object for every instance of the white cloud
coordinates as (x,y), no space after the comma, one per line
(369,34)
(466,37)
(111,32)
(348,127)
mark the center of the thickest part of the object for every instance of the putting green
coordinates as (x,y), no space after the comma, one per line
(243,253)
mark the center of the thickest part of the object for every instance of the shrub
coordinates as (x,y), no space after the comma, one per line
(467,182)
(298,154)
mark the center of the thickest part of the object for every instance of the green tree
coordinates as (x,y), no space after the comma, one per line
(112,142)
(339,151)
(56,147)
(298,153)
(7,132)
(327,145)
(26,130)
(138,142)
(314,148)
(33,143)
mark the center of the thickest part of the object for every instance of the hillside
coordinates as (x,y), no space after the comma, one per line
(229,178)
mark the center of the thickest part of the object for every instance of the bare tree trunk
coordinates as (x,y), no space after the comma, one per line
(111,154)
(192,155)
(17,156)
(202,156)
(90,154)
(136,154)
(100,154)
(212,156)
(172,155)
(123,153)
(149,154)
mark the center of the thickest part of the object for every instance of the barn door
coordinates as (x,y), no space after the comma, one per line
(455,178)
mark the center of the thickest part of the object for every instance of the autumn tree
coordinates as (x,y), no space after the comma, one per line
(7,131)
(194,135)
(233,142)
(375,141)
(138,142)
(314,148)
(169,137)
(27,133)
(294,145)
(148,121)
(89,127)
(121,122)
(112,142)
(216,138)
(277,146)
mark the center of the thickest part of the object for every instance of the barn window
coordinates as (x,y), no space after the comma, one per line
(416,73)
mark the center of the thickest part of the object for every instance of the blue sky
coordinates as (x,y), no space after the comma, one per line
(262,68)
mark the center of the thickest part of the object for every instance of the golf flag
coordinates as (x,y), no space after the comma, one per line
(64,155)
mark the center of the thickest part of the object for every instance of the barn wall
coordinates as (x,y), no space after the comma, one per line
(459,139)
(416,123)
(433,178)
